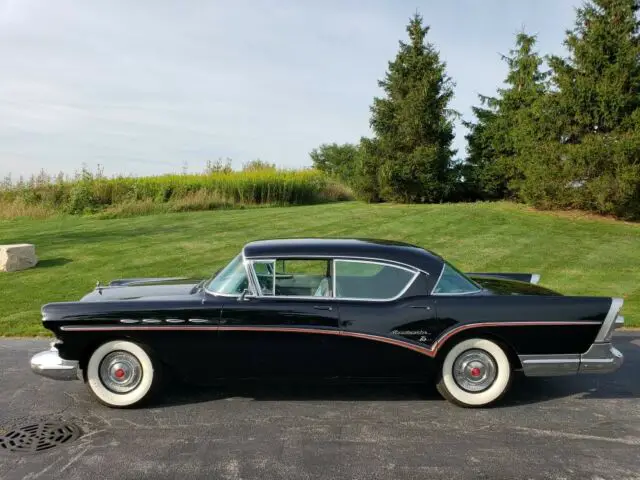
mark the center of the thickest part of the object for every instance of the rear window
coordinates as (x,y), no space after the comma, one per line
(453,282)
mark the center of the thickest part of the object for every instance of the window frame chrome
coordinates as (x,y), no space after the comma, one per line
(385,263)
(250,265)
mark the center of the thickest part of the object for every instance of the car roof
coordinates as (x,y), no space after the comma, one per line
(389,250)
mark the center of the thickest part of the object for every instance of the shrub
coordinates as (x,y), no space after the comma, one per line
(601,174)
(125,195)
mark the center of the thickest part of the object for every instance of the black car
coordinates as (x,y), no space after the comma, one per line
(318,308)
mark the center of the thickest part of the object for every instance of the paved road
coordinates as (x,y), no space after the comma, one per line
(560,428)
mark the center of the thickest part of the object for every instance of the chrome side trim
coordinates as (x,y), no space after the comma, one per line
(174,320)
(601,358)
(129,320)
(50,365)
(535,278)
(198,320)
(151,320)
(609,324)
(550,365)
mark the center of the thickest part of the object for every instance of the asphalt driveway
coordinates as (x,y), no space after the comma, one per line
(585,427)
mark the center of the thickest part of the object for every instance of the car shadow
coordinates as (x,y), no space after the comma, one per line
(622,384)
(281,390)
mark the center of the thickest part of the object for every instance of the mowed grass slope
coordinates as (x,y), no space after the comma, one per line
(574,255)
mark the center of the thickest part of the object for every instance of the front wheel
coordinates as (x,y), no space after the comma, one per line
(122,374)
(475,373)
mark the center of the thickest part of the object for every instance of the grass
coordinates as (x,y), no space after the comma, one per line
(574,255)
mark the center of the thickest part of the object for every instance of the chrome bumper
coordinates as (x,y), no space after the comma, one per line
(50,365)
(600,358)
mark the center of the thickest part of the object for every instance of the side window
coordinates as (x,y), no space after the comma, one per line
(265,274)
(302,277)
(367,280)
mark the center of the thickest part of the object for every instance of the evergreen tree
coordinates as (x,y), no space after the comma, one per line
(599,84)
(593,161)
(409,157)
(507,123)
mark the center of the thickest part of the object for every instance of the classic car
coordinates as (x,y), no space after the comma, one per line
(329,308)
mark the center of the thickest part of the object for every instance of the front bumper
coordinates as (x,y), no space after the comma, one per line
(600,358)
(50,365)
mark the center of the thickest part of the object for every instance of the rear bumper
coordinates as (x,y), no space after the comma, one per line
(600,358)
(50,365)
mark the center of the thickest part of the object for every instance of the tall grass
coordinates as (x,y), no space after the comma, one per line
(127,195)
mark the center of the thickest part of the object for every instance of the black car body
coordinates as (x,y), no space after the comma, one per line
(329,308)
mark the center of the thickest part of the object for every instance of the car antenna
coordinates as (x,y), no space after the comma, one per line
(99,287)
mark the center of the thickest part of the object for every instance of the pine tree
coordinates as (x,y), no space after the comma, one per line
(409,157)
(593,162)
(507,123)
(599,84)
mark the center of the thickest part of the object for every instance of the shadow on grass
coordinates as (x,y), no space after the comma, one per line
(53,262)
(622,384)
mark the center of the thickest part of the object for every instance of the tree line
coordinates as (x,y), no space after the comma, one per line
(561,133)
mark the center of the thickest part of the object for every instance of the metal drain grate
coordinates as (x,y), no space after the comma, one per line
(38,437)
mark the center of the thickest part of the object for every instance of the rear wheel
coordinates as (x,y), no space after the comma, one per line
(475,373)
(122,374)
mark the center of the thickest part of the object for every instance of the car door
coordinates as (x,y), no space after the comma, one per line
(384,311)
(278,335)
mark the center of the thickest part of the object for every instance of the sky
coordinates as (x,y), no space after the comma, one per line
(152,86)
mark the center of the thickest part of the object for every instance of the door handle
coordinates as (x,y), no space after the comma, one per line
(421,307)
(323,307)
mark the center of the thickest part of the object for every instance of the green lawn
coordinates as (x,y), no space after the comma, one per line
(574,255)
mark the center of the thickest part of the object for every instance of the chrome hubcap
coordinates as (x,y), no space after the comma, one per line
(120,372)
(474,370)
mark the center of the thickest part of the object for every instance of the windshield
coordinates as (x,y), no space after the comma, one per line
(454,282)
(231,280)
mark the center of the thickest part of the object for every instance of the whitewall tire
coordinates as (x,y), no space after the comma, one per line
(122,374)
(475,373)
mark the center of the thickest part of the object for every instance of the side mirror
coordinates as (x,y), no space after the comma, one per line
(242,296)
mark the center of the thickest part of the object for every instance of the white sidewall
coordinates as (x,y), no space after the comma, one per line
(106,395)
(495,390)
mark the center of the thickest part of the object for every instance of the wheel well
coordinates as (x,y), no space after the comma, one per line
(508,349)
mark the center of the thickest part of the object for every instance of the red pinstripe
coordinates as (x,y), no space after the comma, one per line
(429,351)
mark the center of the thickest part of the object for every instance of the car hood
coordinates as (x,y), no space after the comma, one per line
(503,286)
(142,289)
